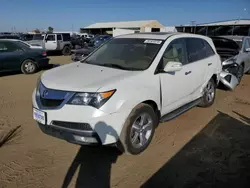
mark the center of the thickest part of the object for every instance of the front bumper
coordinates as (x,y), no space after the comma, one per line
(106,127)
(70,135)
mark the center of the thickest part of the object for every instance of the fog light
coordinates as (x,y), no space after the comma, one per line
(85,139)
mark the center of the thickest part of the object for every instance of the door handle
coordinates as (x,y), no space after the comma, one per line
(186,73)
(209,64)
(54,42)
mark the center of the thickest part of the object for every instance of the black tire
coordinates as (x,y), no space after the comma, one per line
(66,50)
(125,144)
(207,101)
(240,73)
(29,67)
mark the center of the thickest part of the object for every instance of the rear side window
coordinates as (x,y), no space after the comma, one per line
(196,49)
(66,36)
(8,47)
(209,49)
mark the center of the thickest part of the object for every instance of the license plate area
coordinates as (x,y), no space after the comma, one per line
(40,116)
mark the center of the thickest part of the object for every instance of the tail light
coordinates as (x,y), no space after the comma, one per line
(44,53)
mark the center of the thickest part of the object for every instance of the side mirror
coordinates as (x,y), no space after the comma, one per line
(173,66)
(247,49)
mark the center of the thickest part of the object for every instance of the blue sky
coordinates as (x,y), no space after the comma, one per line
(63,14)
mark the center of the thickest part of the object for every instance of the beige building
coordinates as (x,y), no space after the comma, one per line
(136,26)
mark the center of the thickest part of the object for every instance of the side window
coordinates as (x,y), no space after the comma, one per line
(10,47)
(3,47)
(176,51)
(196,49)
(209,49)
(59,37)
(51,38)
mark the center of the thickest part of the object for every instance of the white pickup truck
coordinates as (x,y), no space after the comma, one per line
(53,42)
(120,92)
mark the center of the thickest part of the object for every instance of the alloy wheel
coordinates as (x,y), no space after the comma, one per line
(210,91)
(141,130)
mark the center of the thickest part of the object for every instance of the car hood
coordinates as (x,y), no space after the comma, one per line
(82,77)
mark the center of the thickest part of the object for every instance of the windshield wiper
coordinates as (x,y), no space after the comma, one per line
(114,66)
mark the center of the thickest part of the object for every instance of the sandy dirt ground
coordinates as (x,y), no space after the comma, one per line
(201,148)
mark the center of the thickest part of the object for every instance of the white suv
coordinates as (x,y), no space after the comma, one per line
(120,92)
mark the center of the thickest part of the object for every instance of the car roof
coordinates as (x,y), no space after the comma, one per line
(158,35)
(9,40)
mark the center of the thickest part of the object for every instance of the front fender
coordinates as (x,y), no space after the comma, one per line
(126,101)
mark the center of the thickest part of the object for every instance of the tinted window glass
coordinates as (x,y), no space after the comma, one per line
(51,38)
(175,52)
(66,37)
(209,49)
(3,47)
(59,37)
(196,49)
(9,47)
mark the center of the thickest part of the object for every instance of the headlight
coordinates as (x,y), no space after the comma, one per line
(91,99)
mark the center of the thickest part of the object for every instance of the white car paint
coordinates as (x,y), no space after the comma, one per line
(168,91)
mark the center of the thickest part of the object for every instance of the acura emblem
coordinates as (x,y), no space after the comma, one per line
(45,93)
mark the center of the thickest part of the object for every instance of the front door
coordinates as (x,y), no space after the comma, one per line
(50,42)
(175,86)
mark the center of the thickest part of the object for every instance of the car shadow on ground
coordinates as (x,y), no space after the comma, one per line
(93,164)
(218,156)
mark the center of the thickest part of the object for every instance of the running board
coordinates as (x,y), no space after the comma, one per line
(179,111)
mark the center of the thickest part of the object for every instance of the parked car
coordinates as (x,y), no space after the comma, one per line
(54,42)
(235,54)
(121,91)
(10,37)
(79,54)
(98,40)
(78,41)
(16,55)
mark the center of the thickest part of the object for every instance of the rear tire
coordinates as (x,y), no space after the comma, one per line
(209,94)
(138,130)
(66,50)
(29,67)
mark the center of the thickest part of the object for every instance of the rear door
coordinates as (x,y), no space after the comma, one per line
(50,42)
(59,41)
(198,63)
(10,56)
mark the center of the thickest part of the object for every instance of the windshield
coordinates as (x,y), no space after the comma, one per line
(126,53)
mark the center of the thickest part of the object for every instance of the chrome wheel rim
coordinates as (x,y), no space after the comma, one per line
(29,67)
(209,92)
(141,130)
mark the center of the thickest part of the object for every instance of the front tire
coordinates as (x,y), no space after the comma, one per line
(209,94)
(28,67)
(240,73)
(66,50)
(138,129)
